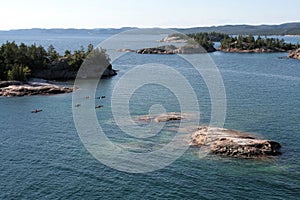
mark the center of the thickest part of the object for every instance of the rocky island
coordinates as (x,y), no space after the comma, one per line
(171,49)
(20,62)
(18,88)
(221,141)
(250,44)
(204,43)
(193,44)
(232,143)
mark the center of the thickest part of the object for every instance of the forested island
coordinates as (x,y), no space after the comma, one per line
(194,43)
(248,44)
(20,62)
(228,43)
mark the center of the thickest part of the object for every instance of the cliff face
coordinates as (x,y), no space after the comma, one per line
(294,54)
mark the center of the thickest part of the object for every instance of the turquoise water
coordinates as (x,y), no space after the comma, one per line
(42,156)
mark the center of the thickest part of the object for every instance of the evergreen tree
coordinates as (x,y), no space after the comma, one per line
(18,72)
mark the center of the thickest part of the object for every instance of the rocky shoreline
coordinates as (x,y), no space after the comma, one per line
(294,54)
(257,50)
(192,49)
(175,39)
(171,49)
(17,88)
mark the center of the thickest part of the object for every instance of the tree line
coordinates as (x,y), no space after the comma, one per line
(204,39)
(241,42)
(249,42)
(18,62)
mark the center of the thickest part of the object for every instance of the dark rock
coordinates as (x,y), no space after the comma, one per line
(158,50)
(171,49)
(60,70)
(8,83)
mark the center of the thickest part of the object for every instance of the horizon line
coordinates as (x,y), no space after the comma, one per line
(149,27)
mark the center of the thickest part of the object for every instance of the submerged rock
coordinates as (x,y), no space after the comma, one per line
(226,142)
(168,117)
(171,116)
(219,141)
(126,50)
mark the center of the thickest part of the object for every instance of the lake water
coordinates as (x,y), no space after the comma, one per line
(42,156)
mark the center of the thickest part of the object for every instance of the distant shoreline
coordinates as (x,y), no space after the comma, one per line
(292,28)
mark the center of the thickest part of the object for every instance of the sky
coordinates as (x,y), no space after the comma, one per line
(23,14)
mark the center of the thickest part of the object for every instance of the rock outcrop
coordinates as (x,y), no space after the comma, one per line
(171,49)
(167,49)
(294,54)
(172,116)
(175,39)
(16,88)
(219,141)
(193,49)
(256,50)
(231,143)
(126,50)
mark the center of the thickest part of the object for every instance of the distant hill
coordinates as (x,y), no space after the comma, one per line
(69,31)
(282,29)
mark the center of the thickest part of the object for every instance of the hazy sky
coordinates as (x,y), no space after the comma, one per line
(16,14)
